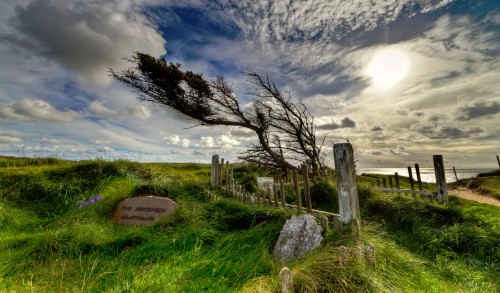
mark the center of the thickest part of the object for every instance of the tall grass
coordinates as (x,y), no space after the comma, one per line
(48,244)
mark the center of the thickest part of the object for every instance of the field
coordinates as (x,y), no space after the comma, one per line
(50,244)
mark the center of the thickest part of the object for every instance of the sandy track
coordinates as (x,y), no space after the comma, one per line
(471,194)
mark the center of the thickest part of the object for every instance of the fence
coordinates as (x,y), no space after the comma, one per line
(442,192)
(222,177)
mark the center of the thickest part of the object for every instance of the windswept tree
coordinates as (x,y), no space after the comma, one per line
(285,129)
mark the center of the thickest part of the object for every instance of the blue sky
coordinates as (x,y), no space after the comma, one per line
(403,79)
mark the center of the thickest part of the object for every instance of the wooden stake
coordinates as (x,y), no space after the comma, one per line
(346,182)
(307,188)
(213,173)
(396,176)
(410,176)
(442,190)
(296,187)
(455,172)
(417,170)
(282,194)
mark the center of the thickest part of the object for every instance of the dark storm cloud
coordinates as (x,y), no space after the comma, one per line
(446,131)
(478,109)
(376,128)
(344,123)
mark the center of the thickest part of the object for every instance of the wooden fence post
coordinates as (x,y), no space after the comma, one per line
(498,160)
(390,182)
(282,193)
(384,182)
(455,172)
(417,170)
(346,182)
(276,200)
(307,188)
(396,176)
(442,190)
(221,166)
(412,184)
(213,173)
(227,175)
(298,200)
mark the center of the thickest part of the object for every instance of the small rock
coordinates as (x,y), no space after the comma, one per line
(300,235)
(286,280)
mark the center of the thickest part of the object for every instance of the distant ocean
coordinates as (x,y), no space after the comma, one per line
(427,174)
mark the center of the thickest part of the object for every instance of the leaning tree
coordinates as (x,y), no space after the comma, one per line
(285,129)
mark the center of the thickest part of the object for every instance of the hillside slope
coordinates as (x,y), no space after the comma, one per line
(49,244)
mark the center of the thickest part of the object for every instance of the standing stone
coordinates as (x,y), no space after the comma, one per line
(370,254)
(286,280)
(300,235)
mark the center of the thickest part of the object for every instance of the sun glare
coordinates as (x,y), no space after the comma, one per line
(388,67)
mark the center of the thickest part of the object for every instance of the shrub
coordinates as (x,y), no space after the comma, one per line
(324,196)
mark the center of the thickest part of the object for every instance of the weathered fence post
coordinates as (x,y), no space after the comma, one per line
(384,182)
(442,190)
(282,193)
(298,200)
(455,172)
(275,193)
(307,188)
(412,184)
(417,170)
(227,175)
(213,174)
(219,175)
(396,176)
(390,181)
(498,160)
(346,182)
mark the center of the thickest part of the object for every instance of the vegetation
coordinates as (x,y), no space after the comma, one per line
(284,128)
(48,243)
(487,183)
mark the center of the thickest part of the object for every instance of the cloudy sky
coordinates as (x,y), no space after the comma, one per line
(401,79)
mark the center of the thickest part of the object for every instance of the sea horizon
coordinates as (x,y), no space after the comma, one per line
(427,174)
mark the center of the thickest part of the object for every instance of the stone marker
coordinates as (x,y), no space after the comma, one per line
(300,235)
(264,183)
(370,254)
(143,210)
(286,281)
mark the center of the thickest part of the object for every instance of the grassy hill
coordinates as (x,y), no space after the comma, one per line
(49,244)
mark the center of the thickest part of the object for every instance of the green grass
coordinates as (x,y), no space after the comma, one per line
(47,244)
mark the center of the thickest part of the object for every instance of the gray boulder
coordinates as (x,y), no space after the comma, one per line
(300,235)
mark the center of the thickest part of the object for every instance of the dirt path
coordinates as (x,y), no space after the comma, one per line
(471,194)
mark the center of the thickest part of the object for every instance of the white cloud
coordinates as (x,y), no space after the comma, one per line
(86,37)
(176,140)
(105,149)
(102,142)
(100,109)
(10,140)
(207,142)
(29,109)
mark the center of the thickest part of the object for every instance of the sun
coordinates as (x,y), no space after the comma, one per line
(388,67)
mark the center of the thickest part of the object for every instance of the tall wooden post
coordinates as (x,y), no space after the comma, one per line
(346,182)
(410,176)
(419,180)
(498,160)
(296,187)
(390,182)
(396,177)
(455,172)
(282,194)
(213,172)
(276,200)
(384,182)
(307,188)
(442,190)
(219,175)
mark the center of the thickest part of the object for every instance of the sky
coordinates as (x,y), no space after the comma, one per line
(400,79)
